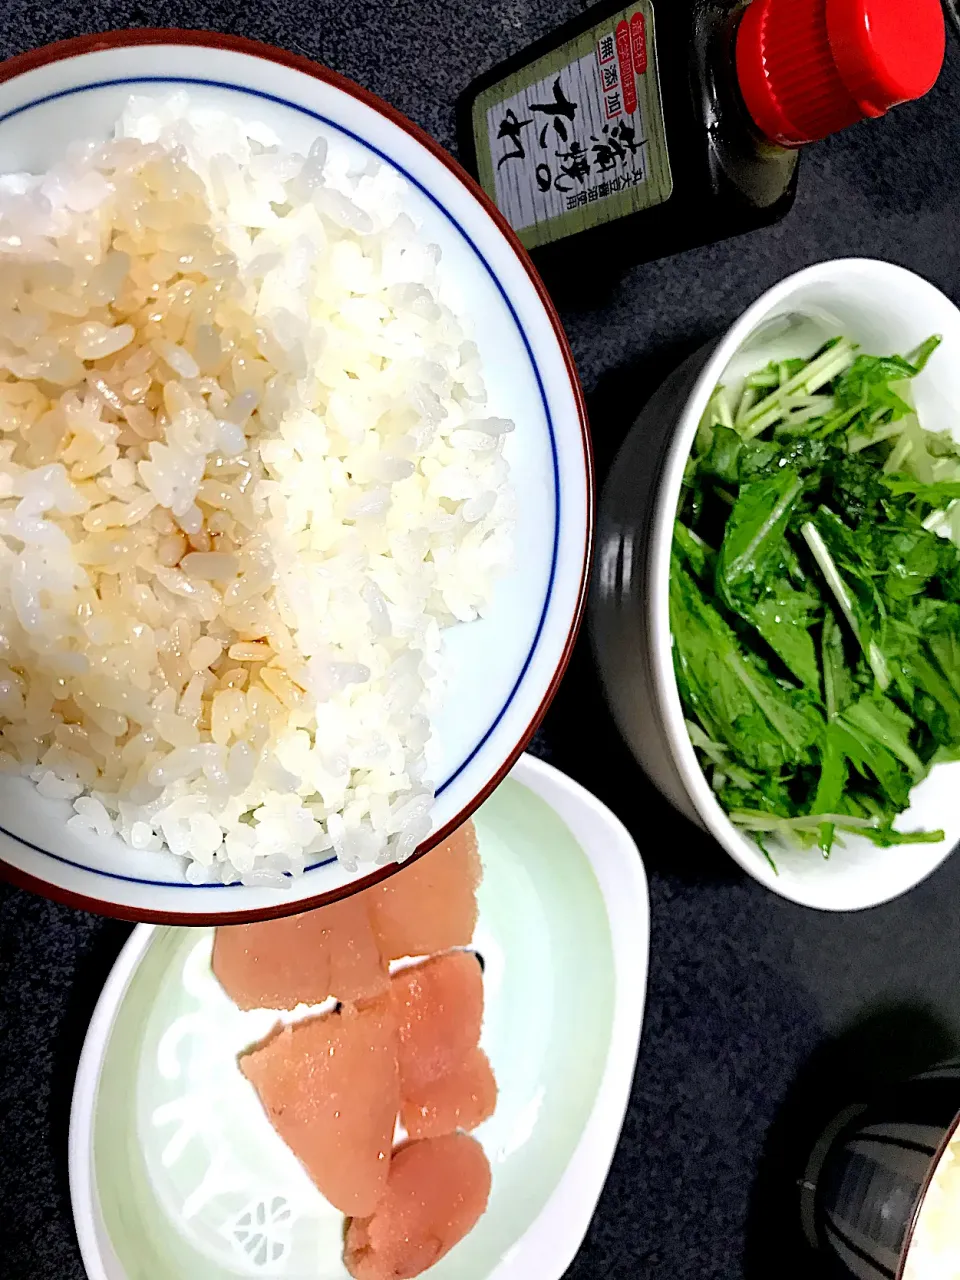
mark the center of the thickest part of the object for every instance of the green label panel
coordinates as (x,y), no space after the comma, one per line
(576,138)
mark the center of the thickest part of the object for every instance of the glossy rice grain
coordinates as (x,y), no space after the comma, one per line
(247,479)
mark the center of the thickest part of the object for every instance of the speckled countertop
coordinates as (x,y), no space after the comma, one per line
(761,1015)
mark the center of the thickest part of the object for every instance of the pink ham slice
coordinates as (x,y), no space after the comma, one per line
(301,959)
(431,905)
(439,1007)
(461,1099)
(435,1194)
(330,1088)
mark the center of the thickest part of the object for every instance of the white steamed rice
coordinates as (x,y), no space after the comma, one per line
(934,1252)
(246,479)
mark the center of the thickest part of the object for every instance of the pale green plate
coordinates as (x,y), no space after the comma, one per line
(176,1174)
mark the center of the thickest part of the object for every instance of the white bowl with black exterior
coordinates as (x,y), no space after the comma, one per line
(884,309)
(503,669)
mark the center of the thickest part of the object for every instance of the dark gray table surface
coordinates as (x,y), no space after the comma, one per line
(761,1016)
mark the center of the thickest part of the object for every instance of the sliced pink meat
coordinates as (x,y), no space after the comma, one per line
(461,1099)
(436,1192)
(431,905)
(330,1088)
(439,1007)
(302,959)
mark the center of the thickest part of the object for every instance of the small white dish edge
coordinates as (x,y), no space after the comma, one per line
(550,1243)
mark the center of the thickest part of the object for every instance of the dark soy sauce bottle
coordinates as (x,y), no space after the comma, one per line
(635,132)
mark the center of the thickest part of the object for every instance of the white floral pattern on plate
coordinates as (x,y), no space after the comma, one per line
(262,1230)
(240,1197)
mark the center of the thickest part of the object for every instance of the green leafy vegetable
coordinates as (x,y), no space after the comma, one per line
(815,597)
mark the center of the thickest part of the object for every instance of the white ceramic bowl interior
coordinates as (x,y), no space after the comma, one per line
(502,668)
(885,309)
(176,1174)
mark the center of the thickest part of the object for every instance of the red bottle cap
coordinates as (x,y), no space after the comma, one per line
(810,67)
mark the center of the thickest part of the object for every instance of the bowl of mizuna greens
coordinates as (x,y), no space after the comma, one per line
(776,606)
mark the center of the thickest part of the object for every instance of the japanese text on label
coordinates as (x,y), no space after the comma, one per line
(574,137)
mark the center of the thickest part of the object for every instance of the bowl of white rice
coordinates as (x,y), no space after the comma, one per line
(295,482)
(880,1197)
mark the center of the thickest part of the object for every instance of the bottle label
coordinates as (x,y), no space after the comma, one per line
(576,138)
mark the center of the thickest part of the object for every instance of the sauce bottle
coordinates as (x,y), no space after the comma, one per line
(638,131)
